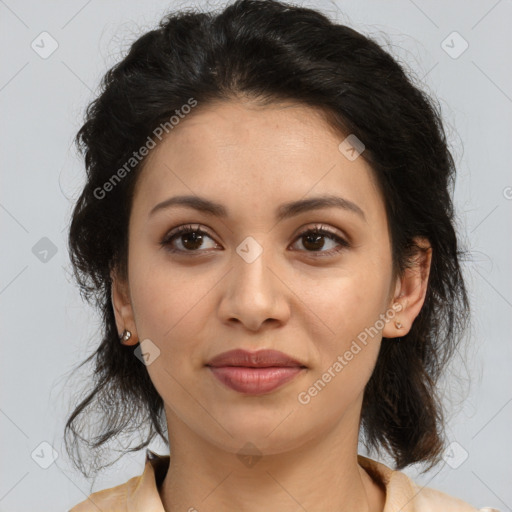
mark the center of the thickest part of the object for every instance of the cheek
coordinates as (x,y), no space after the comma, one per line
(346,352)
(347,339)
(170,310)
(167,299)
(345,302)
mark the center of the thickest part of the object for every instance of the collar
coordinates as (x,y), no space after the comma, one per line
(142,493)
(400,490)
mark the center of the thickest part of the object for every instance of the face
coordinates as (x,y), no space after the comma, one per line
(254,280)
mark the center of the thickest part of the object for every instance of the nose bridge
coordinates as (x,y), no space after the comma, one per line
(252,268)
(254,289)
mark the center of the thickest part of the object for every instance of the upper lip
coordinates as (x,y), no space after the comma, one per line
(258,359)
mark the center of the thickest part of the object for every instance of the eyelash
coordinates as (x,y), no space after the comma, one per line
(317,230)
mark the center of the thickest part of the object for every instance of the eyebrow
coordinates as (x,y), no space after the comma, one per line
(285,211)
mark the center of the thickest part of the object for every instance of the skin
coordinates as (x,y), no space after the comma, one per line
(251,160)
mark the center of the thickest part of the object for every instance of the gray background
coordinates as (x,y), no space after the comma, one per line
(47,330)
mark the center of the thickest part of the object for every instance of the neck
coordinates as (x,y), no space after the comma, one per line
(320,475)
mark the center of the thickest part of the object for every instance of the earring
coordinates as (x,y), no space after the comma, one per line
(398,325)
(125,336)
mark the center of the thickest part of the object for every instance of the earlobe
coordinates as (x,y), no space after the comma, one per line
(410,291)
(123,311)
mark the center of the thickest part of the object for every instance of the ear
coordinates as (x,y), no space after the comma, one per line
(123,310)
(410,291)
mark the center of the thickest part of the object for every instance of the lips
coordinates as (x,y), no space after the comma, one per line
(254,373)
(259,359)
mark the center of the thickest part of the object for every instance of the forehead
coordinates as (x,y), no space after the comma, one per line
(272,129)
(245,154)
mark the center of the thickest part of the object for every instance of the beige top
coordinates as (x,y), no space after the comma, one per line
(141,493)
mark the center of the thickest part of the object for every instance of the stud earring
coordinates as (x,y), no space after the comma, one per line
(125,336)
(398,325)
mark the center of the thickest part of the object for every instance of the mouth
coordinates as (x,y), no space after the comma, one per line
(255,373)
(258,359)
(255,381)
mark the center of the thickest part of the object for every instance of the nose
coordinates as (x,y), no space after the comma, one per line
(254,293)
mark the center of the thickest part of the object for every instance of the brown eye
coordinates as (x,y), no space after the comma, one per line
(191,238)
(314,241)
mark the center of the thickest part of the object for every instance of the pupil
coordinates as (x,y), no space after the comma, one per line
(195,238)
(315,239)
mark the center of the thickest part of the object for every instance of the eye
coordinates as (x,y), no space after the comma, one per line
(313,240)
(192,237)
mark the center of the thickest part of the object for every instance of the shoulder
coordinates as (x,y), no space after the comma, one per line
(140,493)
(114,498)
(432,500)
(403,494)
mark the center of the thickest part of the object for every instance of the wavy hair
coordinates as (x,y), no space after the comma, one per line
(270,51)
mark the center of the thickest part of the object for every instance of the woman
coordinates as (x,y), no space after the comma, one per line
(268,232)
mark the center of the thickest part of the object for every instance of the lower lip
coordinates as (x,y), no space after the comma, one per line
(254,381)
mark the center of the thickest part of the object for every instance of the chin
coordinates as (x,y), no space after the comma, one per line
(269,436)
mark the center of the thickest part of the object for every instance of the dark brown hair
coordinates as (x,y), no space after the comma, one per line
(271,51)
